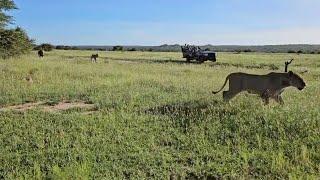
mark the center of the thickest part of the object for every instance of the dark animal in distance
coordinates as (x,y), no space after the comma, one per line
(266,86)
(94,57)
(287,64)
(40,53)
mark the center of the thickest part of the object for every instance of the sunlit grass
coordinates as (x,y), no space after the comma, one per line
(156,118)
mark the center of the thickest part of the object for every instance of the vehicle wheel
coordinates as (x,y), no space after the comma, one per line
(201,61)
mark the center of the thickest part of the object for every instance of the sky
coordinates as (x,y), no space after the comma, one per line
(156,22)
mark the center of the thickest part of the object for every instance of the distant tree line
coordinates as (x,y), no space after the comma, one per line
(62,47)
(50,47)
(308,49)
(304,52)
(298,49)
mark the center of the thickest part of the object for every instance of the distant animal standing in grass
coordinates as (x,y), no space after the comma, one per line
(40,53)
(287,65)
(266,86)
(94,57)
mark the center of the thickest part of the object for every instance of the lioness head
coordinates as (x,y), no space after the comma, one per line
(296,81)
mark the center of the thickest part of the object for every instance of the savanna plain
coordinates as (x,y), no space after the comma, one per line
(150,115)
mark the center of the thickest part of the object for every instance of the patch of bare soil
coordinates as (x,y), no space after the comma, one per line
(63,106)
(22,107)
(82,107)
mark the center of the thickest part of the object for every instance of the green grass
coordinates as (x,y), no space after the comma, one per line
(156,119)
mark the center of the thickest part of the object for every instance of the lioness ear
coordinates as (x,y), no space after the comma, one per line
(290,73)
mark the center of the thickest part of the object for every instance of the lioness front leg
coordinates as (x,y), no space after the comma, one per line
(265,96)
(279,100)
(266,100)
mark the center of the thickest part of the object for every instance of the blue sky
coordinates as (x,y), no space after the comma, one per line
(155,22)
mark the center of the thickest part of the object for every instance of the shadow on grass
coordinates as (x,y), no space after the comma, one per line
(161,61)
(238,65)
(186,114)
(182,109)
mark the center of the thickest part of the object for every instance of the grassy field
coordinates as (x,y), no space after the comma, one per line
(154,117)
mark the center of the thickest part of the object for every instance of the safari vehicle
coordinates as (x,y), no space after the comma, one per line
(196,53)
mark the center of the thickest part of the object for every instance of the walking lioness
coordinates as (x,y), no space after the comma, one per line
(266,86)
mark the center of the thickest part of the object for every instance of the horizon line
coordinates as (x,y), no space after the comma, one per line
(293,44)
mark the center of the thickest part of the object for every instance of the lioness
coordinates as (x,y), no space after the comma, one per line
(266,86)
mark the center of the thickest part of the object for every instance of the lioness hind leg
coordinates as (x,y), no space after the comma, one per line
(265,97)
(265,100)
(228,95)
(279,100)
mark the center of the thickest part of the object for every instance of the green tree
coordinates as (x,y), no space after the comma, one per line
(6,5)
(13,42)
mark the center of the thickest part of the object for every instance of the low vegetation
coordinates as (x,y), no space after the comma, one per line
(153,116)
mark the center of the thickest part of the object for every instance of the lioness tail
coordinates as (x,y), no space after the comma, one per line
(225,82)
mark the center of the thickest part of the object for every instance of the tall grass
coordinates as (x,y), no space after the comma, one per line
(156,118)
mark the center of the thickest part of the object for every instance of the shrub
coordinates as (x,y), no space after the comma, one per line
(14,42)
(117,48)
(45,47)
(291,51)
(132,49)
(60,47)
(238,51)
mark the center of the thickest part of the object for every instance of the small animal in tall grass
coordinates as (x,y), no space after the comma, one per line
(266,86)
(94,57)
(29,78)
(40,53)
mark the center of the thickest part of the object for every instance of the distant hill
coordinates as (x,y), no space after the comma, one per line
(294,48)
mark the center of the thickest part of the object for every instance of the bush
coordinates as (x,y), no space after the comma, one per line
(291,51)
(117,48)
(300,52)
(14,42)
(132,49)
(247,50)
(45,47)
(60,47)
(237,51)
